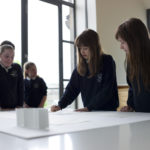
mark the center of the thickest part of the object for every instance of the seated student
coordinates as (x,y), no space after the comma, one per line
(35,87)
(94,77)
(11,78)
(134,39)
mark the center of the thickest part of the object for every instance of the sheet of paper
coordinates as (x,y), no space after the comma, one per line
(69,121)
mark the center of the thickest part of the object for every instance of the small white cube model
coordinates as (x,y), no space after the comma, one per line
(35,118)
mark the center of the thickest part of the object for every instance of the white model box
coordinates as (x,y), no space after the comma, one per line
(35,118)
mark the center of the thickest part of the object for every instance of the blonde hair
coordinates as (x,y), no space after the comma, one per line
(4,47)
(26,67)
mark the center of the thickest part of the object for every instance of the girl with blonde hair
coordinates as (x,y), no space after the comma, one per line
(35,87)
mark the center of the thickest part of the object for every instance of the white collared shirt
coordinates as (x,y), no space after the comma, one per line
(6,68)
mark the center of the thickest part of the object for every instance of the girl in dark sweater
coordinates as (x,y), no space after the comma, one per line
(35,87)
(94,77)
(134,39)
(11,78)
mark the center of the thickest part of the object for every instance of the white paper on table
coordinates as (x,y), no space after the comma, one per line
(70,121)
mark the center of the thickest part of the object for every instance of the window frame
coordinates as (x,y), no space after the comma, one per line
(24,36)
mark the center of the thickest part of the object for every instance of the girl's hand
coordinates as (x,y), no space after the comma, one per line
(85,109)
(55,108)
(126,109)
(26,106)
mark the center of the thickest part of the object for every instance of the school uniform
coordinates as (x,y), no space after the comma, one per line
(98,92)
(138,100)
(11,86)
(35,89)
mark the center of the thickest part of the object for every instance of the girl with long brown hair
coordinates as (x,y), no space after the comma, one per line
(134,38)
(94,77)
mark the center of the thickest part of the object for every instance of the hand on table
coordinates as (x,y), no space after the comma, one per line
(126,109)
(55,108)
(85,109)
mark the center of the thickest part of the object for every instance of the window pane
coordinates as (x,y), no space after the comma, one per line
(70,1)
(10,24)
(72,106)
(68,60)
(43,44)
(65,84)
(68,23)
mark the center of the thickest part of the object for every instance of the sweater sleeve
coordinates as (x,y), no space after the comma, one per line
(71,92)
(108,94)
(43,87)
(20,87)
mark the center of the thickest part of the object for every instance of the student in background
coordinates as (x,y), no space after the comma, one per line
(11,78)
(134,38)
(35,87)
(94,77)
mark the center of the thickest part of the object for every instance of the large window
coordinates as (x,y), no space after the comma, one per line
(43,32)
(51,43)
(43,44)
(10,24)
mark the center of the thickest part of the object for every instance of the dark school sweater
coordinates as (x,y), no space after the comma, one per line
(11,87)
(34,91)
(138,100)
(98,93)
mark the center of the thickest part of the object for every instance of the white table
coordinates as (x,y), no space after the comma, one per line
(131,136)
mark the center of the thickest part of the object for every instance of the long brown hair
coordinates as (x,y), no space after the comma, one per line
(135,33)
(90,39)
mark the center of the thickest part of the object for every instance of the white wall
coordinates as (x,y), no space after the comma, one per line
(81,16)
(146,4)
(92,22)
(110,14)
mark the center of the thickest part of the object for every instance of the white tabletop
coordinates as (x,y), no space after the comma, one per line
(126,136)
(133,136)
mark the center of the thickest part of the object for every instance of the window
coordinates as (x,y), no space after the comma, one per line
(38,28)
(10,14)
(50,31)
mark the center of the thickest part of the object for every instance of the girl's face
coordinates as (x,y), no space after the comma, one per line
(7,57)
(85,52)
(123,45)
(32,71)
